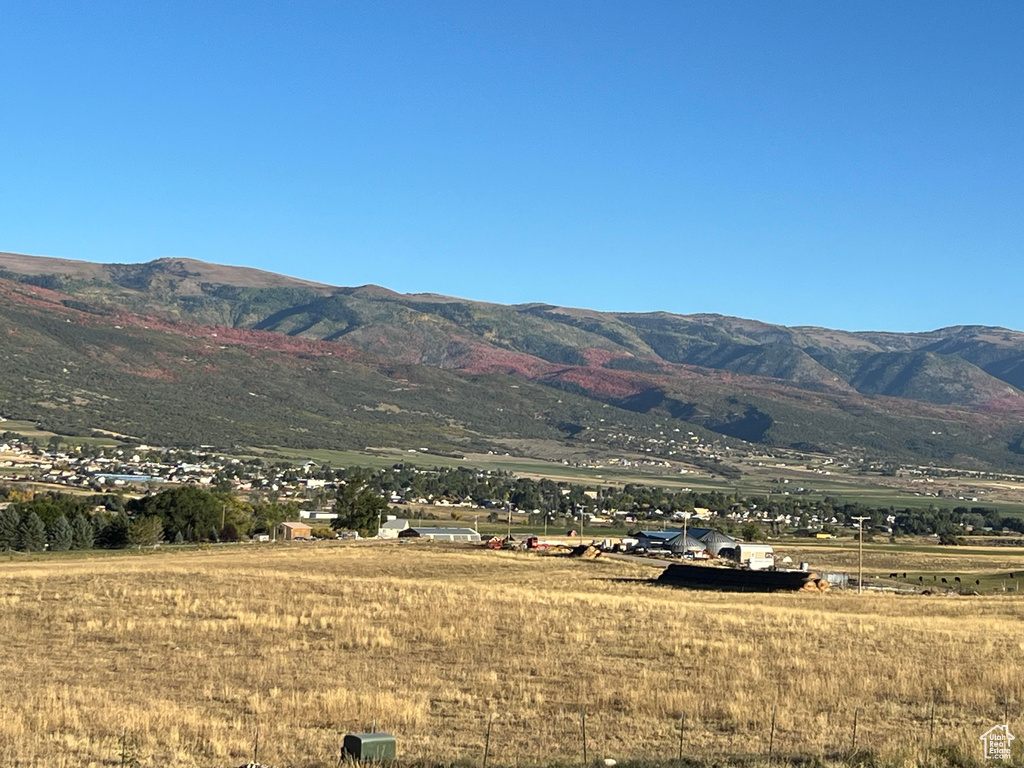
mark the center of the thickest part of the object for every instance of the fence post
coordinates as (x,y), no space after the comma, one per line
(931,730)
(487,738)
(853,744)
(583,722)
(682,724)
(771,738)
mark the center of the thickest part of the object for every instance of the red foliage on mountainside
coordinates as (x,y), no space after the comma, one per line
(1008,403)
(53,302)
(482,358)
(601,357)
(34,296)
(601,382)
(243,337)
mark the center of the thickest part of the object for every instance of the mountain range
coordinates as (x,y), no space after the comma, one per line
(181,351)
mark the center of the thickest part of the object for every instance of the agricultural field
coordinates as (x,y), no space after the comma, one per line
(985,570)
(187,654)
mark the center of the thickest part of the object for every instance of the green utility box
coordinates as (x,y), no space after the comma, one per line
(379,747)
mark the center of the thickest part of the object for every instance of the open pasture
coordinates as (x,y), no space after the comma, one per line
(842,554)
(190,651)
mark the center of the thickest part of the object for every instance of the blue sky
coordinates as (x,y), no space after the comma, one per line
(855,165)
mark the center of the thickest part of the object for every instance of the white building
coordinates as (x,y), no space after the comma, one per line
(391,527)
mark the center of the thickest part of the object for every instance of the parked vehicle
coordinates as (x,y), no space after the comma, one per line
(756,557)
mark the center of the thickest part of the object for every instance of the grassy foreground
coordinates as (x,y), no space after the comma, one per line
(189,651)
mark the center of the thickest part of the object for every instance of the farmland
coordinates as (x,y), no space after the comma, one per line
(189,652)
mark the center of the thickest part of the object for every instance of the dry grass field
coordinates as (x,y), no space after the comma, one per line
(189,651)
(878,559)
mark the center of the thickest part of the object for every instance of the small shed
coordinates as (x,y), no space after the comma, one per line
(440,534)
(292,531)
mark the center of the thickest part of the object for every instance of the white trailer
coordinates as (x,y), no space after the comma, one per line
(756,557)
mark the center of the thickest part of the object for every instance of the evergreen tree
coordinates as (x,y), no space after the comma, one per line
(31,533)
(82,534)
(8,529)
(145,531)
(114,533)
(61,535)
(360,511)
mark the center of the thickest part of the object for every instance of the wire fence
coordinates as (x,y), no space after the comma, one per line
(934,738)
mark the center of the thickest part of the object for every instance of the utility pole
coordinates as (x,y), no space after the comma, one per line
(860,553)
(686,519)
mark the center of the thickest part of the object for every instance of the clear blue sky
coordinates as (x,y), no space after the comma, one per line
(856,165)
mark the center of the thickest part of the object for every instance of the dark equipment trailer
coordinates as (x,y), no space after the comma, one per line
(739,580)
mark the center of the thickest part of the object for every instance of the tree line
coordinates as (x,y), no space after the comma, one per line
(61,521)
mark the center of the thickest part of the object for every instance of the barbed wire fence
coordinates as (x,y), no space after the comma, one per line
(932,736)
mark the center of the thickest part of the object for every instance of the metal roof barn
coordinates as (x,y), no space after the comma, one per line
(656,539)
(390,529)
(680,547)
(716,541)
(440,534)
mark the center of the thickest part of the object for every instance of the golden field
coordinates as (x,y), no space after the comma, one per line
(189,651)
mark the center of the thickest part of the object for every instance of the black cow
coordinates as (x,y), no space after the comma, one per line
(956,579)
(944,580)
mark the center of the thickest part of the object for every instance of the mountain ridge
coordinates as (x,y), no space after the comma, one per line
(738,377)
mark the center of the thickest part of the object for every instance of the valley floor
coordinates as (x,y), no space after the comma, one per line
(186,654)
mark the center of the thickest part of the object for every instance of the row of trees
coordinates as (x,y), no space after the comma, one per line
(112,521)
(28,533)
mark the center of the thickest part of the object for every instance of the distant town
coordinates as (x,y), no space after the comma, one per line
(309,492)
